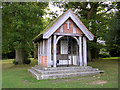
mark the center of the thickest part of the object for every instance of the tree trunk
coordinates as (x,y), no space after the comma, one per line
(20,55)
(94,52)
(89,55)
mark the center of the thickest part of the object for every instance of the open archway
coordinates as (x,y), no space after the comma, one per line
(67,50)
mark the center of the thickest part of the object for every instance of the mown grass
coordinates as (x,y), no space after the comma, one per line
(111,58)
(18,76)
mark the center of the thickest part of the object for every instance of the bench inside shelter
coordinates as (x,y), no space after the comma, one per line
(63,57)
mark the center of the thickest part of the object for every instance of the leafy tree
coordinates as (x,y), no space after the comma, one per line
(21,22)
(112,37)
(95,16)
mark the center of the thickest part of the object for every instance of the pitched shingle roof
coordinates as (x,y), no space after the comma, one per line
(51,28)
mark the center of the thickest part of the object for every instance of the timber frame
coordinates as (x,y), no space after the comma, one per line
(49,38)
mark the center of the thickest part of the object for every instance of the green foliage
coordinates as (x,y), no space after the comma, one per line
(28,61)
(104,55)
(95,16)
(112,37)
(21,22)
(15,62)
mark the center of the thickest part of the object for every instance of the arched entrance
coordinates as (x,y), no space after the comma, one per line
(67,50)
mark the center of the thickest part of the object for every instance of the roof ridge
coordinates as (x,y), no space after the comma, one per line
(51,25)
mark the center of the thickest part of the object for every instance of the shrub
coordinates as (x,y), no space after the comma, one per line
(27,61)
(104,55)
(15,62)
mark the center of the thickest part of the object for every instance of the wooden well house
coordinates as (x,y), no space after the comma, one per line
(63,42)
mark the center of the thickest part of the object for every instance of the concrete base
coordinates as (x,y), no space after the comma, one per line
(62,72)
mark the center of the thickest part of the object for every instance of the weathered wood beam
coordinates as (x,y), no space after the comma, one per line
(58,39)
(67,34)
(43,51)
(38,52)
(85,51)
(49,52)
(80,51)
(54,51)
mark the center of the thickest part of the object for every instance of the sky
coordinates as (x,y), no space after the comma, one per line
(59,11)
(54,9)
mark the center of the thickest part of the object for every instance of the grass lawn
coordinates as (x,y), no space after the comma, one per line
(18,77)
(111,58)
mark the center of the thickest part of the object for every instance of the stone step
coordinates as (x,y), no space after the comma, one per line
(66,75)
(63,68)
(35,74)
(63,71)
(61,75)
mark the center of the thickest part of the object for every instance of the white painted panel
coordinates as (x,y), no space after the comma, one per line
(74,29)
(64,47)
(49,52)
(54,51)
(61,28)
(85,51)
(80,51)
(65,62)
(74,60)
(51,62)
(70,62)
(62,62)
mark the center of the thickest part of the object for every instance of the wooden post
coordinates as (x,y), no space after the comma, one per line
(85,51)
(80,51)
(49,52)
(38,52)
(43,51)
(54,51)
(71,54)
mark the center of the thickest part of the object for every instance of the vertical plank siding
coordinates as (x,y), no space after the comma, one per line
(42,54)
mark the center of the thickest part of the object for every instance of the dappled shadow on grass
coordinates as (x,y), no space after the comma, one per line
(8,64)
